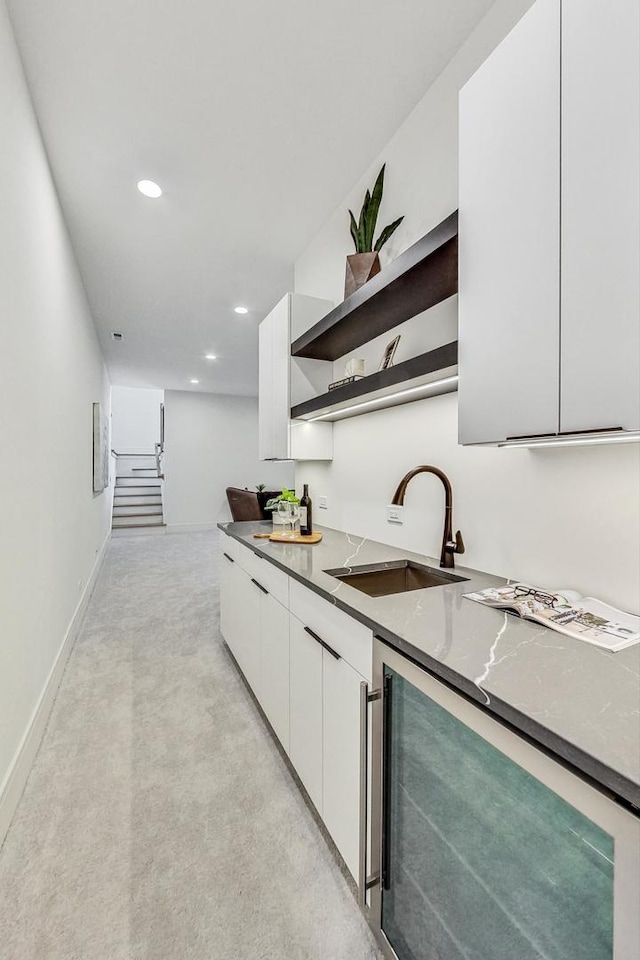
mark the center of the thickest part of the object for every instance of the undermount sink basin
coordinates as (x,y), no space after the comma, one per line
(396,576)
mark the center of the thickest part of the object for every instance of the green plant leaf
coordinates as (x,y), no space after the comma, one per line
(374,207)
(386,233)
(362,243)
(354,230)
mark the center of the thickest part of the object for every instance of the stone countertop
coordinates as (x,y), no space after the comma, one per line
(578,701)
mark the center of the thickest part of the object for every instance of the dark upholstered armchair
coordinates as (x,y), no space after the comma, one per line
(245,505)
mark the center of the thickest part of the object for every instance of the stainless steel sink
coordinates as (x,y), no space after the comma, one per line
(396,576)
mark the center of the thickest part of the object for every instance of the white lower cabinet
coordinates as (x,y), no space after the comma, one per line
(228,604)
(325,735)
(305,704)
(274,666)
(341,756)
(240,619)
(300,673)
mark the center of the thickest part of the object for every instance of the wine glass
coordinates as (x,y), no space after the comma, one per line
(294,516)
(283,513)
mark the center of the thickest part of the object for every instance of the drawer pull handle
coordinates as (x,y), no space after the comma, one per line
(230,559)
(322,643)
(259,585)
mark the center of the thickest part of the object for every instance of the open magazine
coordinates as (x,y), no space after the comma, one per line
(567,612)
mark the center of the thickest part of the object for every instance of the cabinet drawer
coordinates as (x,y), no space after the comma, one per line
(237,551)
(352,640)
(272,579)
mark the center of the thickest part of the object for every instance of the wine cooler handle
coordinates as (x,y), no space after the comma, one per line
(364,882)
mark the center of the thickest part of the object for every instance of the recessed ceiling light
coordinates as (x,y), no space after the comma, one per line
(211,356)
(241,310)
(149,188)
(194,381)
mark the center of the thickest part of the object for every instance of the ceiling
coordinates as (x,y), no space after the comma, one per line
(255,117)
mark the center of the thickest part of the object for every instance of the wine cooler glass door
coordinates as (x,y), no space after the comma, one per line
(489,849)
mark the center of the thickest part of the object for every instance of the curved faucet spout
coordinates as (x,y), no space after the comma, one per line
(449,545)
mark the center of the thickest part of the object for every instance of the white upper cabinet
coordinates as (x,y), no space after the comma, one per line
(600,299)
(549,227)
(509,235)
(283,381)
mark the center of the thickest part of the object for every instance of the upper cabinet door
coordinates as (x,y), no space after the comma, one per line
(600,298)
(280,402)
(265,389)
(276,380)
(509,236)
(509,245)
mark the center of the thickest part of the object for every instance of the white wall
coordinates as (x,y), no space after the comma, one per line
(566,517)
(135,419)
(211,443)
(52,526)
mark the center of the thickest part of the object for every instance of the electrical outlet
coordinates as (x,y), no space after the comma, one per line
(323,503)
(394,514)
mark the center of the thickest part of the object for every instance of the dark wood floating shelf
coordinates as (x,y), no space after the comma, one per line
(422,276)
(436,360)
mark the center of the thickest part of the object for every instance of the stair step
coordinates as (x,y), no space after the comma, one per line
(136,520)
(139,482)
(139,531)
(138,510)
(138,500)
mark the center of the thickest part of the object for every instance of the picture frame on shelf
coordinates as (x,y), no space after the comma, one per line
(389,353)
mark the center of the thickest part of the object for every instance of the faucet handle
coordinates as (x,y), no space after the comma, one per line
(459,547)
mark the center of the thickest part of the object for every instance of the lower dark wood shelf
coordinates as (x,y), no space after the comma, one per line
(426,363)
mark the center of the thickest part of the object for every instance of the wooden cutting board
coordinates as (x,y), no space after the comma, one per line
(283,538)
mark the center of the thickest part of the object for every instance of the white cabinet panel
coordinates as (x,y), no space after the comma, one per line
(229,601)
(238,552)
(280,399)
(509,235)
(600,305)
(240,619)
(245,634)
(341,757)
(274,666)
(274,580)
(265,389)
(305,706)
(278,377)
(351,639)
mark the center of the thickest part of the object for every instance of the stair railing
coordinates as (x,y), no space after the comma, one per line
(157,456)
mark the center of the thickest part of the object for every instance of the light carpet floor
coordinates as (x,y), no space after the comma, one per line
(160,821)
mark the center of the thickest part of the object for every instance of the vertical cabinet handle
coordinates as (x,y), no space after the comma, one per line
(364,882)
(322,643)
(386,789)
(259,586)
(230,559)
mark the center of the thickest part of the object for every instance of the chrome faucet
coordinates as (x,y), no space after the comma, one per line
(449,545)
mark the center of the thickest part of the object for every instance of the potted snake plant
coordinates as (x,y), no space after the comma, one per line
(365,262)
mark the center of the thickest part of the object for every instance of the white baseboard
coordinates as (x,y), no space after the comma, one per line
(191,527)
(16,778)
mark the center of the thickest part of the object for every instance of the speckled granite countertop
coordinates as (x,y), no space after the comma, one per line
(578,701)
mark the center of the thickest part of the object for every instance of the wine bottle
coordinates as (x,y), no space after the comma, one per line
(306,519)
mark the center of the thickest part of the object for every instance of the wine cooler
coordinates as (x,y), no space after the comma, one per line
(483,847)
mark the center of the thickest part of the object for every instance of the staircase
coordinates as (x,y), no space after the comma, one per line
(137,498)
